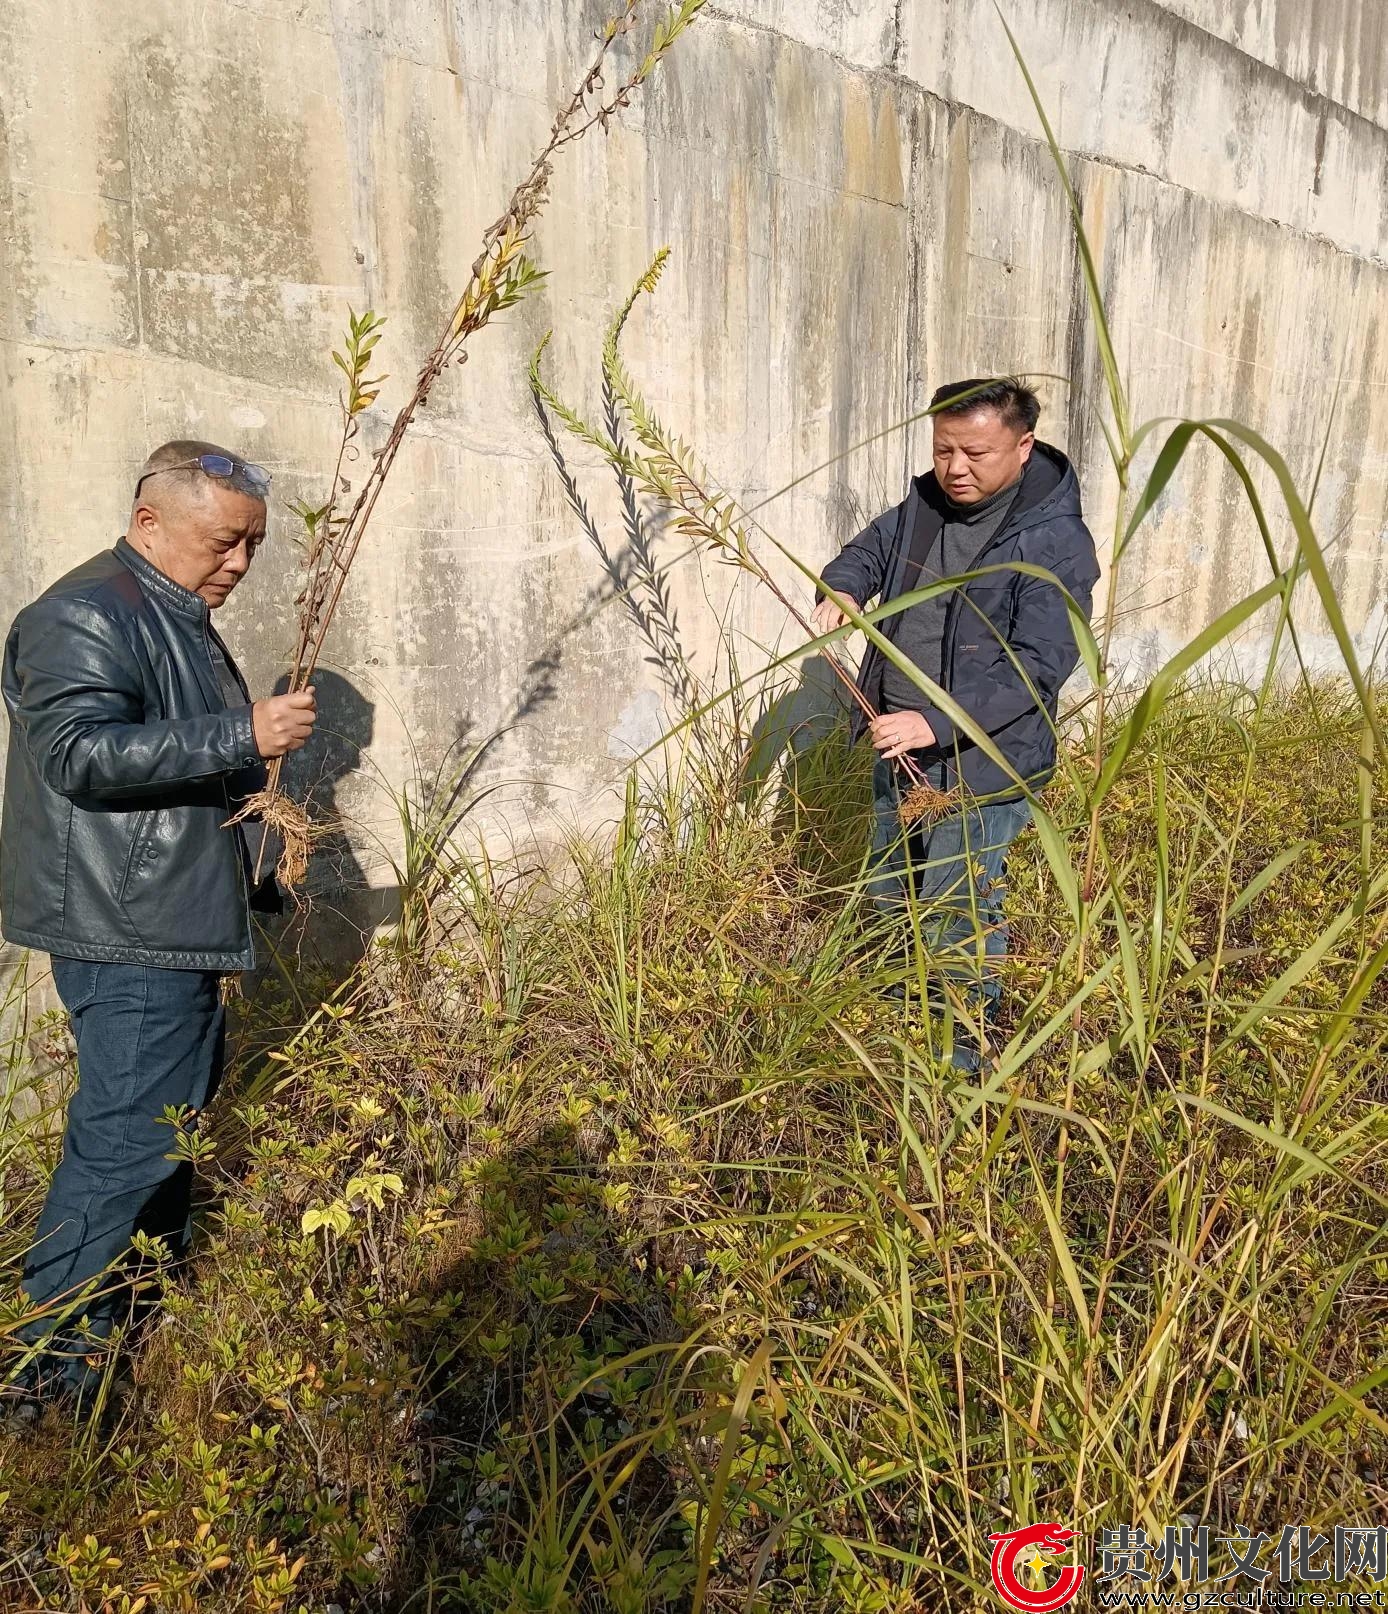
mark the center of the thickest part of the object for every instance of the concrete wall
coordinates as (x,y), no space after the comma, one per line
(858,208)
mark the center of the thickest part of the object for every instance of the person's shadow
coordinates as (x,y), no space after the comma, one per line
(338,908)
(547,1282)
(798,754)
(800,717)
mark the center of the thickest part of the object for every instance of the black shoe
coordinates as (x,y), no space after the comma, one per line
(957,1030)
(965,1055)
(25,1398)
(20,1412)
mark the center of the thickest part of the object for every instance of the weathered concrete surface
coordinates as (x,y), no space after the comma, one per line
(1137,85)
(1339,48)
(858,208)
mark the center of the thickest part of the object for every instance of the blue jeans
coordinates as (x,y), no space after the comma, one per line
(146,1039)
(955,867)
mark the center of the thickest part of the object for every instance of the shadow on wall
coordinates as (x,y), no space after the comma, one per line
(632,573)
(797,718)
(343,909)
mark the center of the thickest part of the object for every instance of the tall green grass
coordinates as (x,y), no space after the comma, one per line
(675,1270)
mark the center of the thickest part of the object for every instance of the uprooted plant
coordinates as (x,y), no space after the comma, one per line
(501,276)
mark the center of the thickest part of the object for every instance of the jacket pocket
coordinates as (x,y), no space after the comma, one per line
(184,890)
(136,856)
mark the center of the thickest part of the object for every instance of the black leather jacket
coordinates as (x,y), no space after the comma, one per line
(124,764)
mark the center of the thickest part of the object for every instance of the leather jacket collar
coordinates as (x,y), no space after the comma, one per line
(174,595)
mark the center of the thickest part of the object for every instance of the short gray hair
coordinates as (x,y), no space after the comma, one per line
(175,460)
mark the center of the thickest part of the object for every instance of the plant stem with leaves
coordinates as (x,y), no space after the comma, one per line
(501,276)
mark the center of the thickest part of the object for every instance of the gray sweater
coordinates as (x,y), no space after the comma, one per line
(967,530)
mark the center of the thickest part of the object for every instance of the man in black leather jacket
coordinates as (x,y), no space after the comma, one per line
(132,740)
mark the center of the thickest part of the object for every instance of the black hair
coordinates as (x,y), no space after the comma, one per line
(1017,405)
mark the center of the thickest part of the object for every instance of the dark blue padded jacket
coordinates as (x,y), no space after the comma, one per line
(1012,701)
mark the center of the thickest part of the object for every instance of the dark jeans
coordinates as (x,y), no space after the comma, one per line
(146,1039)
(956,868)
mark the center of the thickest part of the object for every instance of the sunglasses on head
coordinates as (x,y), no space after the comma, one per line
(219,465)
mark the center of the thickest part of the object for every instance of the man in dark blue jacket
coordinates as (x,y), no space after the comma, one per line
(132,740)
(1001,645)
